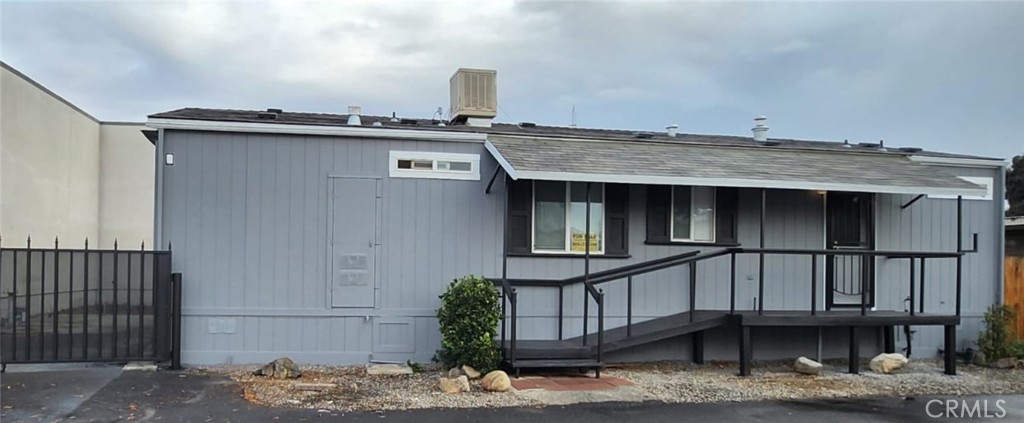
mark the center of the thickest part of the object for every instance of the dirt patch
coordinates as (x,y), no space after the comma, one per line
(356,390)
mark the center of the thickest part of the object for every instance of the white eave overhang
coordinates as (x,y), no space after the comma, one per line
(343,131)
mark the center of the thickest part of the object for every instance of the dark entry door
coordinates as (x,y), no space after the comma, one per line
(849,226)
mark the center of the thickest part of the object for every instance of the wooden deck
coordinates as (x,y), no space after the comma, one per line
(828,318)
(577,353)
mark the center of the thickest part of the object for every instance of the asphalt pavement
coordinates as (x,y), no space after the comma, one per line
(106,394)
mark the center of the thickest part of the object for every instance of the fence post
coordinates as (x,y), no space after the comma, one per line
(175,321)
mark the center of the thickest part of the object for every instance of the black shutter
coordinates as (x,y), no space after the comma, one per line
(726,212)
(520,197)
(659,210)
(616,223)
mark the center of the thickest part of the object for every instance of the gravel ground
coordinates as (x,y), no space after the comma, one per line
(717,382)
(671,382)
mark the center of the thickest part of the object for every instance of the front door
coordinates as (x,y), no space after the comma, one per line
(353,243)
(849,226)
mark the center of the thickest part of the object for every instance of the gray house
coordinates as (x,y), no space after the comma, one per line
(329,238)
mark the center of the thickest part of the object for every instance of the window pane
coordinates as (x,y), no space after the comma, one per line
(460,166)
(423,164)
(549,215)
(703,214)
(681,213)
(578,216)
(405,164)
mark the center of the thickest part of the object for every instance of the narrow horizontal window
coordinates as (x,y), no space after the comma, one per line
(423,164)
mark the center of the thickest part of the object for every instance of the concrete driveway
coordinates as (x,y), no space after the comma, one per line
(105,394)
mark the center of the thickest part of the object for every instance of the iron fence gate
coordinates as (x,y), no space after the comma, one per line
(88,305)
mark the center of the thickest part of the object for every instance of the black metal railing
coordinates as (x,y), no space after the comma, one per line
(88,305)
(692,258)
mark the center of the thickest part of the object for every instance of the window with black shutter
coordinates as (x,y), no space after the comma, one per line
(684,214)
(549,218)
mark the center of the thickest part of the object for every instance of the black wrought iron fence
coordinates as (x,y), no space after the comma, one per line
(88,305)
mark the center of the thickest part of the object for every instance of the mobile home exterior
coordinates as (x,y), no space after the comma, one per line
(330,241)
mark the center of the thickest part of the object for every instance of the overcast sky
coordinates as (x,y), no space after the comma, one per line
(944,76)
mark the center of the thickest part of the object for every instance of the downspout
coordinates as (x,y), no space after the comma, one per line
(158,194)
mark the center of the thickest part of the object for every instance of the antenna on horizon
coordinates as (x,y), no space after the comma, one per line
(573,125)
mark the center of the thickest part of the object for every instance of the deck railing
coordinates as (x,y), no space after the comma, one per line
(693,258)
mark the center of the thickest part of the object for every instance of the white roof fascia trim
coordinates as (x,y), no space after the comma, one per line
(957,161)
(509,170)
(344,131)
(743,183)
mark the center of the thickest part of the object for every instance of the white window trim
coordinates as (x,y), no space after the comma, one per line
(984,181)
(471,175)
(568,229)
(672,215)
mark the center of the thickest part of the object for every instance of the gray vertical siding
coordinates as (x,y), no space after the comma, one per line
(930,225)
(247,217)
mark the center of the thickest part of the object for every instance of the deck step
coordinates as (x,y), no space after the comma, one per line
(557,363)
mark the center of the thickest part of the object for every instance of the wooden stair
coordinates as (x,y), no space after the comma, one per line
(571,353)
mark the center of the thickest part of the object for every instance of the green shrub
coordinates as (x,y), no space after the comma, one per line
(1017,349)
(998,339)
(468,317)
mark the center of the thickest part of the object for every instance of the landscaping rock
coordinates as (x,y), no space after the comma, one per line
(979,358)
(1005,363)
(470,371)
(454,385)
(455,372)
(282,368)
(388,369)
(496,381)
(888,363)
(807,366)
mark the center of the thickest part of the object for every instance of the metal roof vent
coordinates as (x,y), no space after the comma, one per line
(474,93)
(353,115)
(672,129)
(394,117)
(760,129)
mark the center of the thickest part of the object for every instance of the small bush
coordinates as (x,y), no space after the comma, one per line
(998,340)
(468,317)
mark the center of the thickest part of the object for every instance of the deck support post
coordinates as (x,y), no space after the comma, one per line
(698,347)
(854,351)
(745,351)
(889,339)
(760,256)
(949,352)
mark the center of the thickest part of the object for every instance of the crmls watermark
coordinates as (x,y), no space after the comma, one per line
(964,408)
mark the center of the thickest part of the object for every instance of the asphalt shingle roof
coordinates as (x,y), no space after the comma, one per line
(325,119)
(654,161)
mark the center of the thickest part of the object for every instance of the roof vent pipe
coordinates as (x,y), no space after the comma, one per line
(760,129)
(672,129)
(353,115)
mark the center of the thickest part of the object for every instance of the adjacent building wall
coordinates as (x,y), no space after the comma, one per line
(50,153)
(126,186)
(247,215)
(65,174)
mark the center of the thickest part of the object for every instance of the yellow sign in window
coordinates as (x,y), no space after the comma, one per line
(578,246)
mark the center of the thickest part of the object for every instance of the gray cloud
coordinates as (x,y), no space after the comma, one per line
(944,76)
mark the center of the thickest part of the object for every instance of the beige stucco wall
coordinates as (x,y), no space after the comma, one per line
(126,186)
(50,155)
(58,165)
